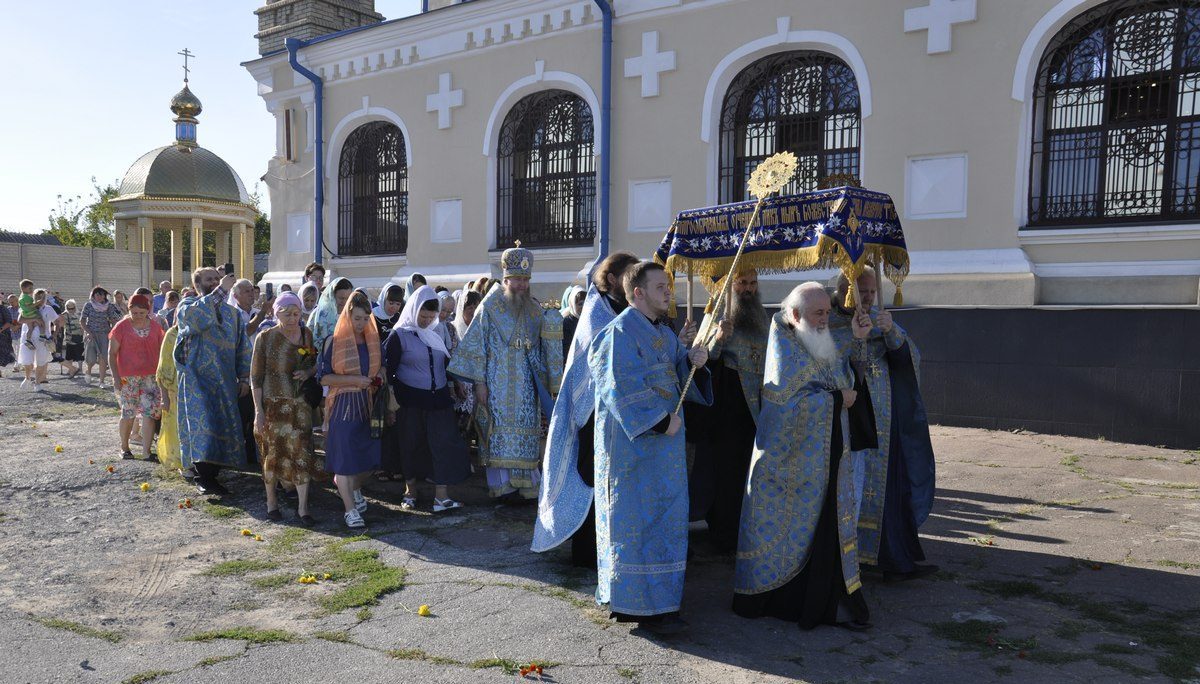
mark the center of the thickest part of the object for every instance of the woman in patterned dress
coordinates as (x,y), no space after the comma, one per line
(134,346)
(283,359)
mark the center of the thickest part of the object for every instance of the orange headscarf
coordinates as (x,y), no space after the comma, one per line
(345,361)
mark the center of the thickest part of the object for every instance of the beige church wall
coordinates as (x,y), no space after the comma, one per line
(1140,290)
(921,105)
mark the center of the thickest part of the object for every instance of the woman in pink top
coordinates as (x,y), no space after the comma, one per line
(133,357)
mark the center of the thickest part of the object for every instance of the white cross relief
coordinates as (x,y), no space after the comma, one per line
(443,100)
(938,18)
(650,64)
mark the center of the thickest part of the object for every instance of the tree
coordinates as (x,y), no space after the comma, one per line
(85,225)
(262,224)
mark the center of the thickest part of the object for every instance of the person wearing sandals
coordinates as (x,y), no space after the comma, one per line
(72,339)
(98,318)
(283,359)
(350,367)
(426,437)
(133,350)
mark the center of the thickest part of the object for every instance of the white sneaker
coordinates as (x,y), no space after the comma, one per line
(354,521)
(37,387)
(440,505)
(360,501)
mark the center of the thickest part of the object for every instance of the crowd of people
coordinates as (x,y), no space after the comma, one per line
(800,438)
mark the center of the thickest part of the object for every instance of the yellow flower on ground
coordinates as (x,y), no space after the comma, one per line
(327,576)
(424,611)
(58,448)
(145,486)
(246,532)
(258,537)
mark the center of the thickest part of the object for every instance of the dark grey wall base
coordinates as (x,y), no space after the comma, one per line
(1128,375)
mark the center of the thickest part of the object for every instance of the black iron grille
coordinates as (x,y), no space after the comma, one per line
(802,102)
(546,178)
(1116,111)
(373,192)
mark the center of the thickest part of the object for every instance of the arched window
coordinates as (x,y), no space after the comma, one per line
(546,179)
(1116,135)
(373,191)
(802,102)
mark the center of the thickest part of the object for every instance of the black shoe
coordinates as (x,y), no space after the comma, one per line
(127,455)
(203,486)
(917,573)
(274,515)
(666,625)
(307,520)
(854,625)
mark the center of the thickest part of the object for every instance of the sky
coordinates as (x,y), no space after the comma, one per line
(87,86)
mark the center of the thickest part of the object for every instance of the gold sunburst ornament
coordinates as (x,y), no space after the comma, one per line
(772,174)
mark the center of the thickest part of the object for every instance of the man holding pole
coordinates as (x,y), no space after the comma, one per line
(725,438)
(894,483)
(640,368)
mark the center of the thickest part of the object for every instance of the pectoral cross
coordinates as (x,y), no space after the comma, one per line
(875,370)
(186,54)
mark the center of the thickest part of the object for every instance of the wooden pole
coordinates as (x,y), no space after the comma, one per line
(691,283)
(710,320)
(879,284)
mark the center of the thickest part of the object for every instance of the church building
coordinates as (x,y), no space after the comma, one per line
(1041,154)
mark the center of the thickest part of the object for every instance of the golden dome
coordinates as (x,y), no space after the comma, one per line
(185,104)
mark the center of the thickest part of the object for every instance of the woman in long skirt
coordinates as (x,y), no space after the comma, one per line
(427,441)
(350,367)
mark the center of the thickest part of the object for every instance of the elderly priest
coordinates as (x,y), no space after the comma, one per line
(796,556)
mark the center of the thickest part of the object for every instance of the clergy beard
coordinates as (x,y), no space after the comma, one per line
(819,343)
(748,313)
(519,301)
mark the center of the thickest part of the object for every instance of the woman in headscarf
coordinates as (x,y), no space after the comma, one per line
(464,313)
(414,281)
(72,339)
(323,318)
(387,308)
(445,313)
(350,366)
(572,307)
(283,360)
(427,444)
(309,293)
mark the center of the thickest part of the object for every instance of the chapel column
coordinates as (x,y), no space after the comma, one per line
(224,255)
(197,243)
(145,237)
(177,277)
(246,243)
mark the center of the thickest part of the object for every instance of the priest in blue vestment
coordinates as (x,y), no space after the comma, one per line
(895,481)
(513,354)
(796,556)
(212,361)
(639,368)
(565,509)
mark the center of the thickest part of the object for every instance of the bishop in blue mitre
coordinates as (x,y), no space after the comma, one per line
(640,368)
(796,557)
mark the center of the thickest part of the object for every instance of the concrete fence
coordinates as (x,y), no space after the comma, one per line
(73,271)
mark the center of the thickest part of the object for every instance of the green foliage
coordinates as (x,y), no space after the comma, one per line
(85,224)
(250,635)
(262,224)
(84,630)
(148,676)
(219,511)
(234,568)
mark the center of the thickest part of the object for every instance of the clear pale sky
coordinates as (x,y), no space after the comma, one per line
(86,87)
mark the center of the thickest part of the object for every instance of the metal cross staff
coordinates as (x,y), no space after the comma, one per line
(768,178)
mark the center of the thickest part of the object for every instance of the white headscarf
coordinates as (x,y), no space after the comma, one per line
(568,301)
(303,291)
(381,302)
(431,336)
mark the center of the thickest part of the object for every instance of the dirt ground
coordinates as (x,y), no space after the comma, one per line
(1063,560)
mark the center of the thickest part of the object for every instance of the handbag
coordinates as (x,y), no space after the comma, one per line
(379,412)
(312,392)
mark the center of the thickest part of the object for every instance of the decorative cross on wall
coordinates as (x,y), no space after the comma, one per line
(939,18)
(650,64)
(443,101)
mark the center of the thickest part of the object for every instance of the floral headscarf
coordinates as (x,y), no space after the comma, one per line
(325,316)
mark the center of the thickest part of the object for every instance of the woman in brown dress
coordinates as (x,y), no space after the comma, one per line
(283,359)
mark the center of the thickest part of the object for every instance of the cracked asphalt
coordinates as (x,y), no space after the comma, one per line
(1063,560)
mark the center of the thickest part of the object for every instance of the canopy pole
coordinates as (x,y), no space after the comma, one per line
(879,284)
(691,283)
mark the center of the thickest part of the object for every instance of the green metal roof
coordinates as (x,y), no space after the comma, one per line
(172,171)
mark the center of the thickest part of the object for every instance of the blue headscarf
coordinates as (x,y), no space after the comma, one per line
(568,301)
(324,317)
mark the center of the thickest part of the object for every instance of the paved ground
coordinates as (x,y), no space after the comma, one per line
(1064,560)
